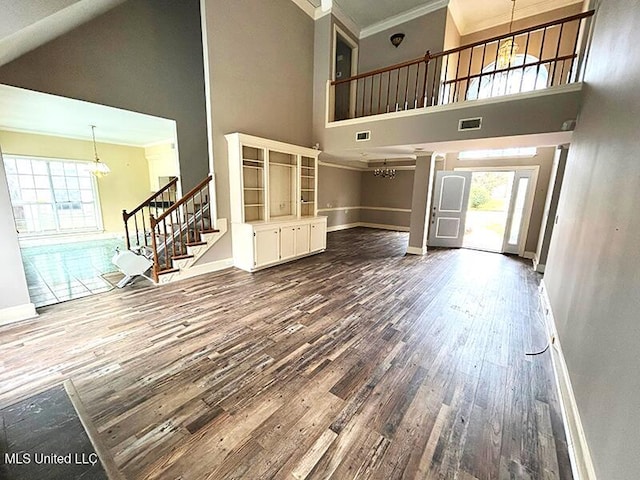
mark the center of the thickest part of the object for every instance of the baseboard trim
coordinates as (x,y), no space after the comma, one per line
(581,462)
(197,270)
(417,250)
(529,255)
(382,226)
(19,312)
(346,226)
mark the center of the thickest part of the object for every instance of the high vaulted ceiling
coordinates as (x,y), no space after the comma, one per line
(25,25)
(40,113)
(469,15)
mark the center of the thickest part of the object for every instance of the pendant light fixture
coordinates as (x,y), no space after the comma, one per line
(97,168)
(508,48)
(385,172)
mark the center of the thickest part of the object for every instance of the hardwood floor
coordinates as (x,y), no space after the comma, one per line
(357,363)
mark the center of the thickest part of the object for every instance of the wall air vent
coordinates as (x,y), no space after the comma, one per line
(363,136)
(470,124)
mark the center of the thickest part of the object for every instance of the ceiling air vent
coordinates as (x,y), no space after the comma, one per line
(363,136)
(470,124)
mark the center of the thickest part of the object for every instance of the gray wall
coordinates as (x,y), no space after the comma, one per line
(386,193)
(261,81)
(144,56)
(339,187)
(13,284)
(543,159)
(421,34)
(540,114)
(593,269)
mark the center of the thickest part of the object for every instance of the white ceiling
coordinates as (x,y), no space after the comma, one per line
(25,25)
(369,17)
(41,113)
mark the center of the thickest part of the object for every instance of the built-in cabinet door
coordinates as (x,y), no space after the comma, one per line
(302,239)
(318,236)
(267,246)
(287,242)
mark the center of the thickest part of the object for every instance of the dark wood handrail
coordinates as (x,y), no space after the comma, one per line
(408,63)
(428,56)
(571,18)
(184,199)
(126,215)
(510,69)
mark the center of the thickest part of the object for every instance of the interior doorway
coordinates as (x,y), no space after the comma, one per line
(345,65)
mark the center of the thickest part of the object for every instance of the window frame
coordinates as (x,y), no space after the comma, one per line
(99,225)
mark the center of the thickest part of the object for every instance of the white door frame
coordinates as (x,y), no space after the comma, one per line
(528,206)
(354,62)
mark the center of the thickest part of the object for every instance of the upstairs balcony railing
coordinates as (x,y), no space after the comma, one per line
(533,58)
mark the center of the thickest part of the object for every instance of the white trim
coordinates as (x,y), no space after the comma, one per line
(335,209)
(388,209)
(251,140)
(195,270)
(520,13)
(345,167)
(81,138)
(381,226)
(19,312)
(304,5)
(457,235)
(398,167)
(579,455)
(572,87)
(506,168)
(384,209)
(417,250)
(345,226)
(529,255)
(402,18)
(346,20)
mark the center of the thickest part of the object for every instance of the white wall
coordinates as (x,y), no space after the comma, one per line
(14,293)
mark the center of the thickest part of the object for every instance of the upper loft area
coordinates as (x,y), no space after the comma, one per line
(521,76)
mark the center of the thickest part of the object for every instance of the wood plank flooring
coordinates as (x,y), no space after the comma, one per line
(359,363)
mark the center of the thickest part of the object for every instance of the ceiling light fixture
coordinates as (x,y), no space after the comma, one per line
(396,39)
(97,168)
(508,48)
(385,172)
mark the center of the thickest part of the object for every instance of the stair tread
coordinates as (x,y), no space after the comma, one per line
(209,231)
(170,270)
(181,257)
(195,244)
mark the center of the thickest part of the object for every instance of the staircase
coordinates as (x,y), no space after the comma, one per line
(173,233)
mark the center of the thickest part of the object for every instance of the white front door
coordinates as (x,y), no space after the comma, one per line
(449,209)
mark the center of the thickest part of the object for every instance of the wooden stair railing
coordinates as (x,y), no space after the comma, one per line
(181,226)
(155,203)
(456,75)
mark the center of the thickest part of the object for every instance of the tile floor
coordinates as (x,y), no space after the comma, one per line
(60,272)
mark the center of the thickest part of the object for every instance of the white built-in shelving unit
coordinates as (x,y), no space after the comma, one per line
(274,203)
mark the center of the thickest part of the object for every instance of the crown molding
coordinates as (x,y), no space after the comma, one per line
(402,18)
(346,20)
(307,7)
(466,28)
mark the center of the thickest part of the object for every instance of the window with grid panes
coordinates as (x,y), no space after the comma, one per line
(51,196)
